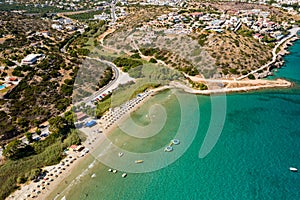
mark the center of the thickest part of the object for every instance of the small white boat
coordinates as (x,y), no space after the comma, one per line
(124,175)
(120,154)
(110,170)
(293,169)
(93,176)
(168,149)
(175,141)
(114,171)
(139,161)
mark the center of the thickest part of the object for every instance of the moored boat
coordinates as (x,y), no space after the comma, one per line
(168,149)
(175,141)
(139,161)
(124,175)
(293,169)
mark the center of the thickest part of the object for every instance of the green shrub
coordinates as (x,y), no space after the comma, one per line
(251,76)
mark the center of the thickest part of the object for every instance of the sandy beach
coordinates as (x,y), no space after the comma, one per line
(229,86)
(56,174)
(96,134)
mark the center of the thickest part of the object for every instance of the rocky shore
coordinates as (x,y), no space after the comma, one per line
(279,59)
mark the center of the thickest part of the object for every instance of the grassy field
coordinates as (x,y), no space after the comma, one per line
(85,16)
(147,76)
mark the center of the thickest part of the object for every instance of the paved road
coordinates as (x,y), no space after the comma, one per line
(292,33)
(113,13)
(106,87)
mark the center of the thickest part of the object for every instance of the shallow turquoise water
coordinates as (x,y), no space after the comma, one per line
(260,140)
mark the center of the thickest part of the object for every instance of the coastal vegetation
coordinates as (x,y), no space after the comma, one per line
(199,86)
(24,161)
(148,76)
(127,63)
(103,106)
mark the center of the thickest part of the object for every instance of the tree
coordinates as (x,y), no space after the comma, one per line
(152,60)
(38,131)
(28,136)
(9,63)
(34,174)
(136,55)
(70,117)
(23,122)
(12,149)
(73,138)
(58,125)
(21,180)
(251,76)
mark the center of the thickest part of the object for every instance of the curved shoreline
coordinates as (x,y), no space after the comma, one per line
(293,36)
(60,187)
(253,85)
(233,86)
(94,139)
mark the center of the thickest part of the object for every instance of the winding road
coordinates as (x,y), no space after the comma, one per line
(293,32)
(119,78)
(107,87)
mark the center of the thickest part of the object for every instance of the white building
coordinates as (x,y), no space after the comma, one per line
(101,17)
(56,26)
(31,59)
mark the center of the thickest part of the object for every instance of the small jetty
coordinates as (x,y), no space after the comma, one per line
(293,169)
(138,161)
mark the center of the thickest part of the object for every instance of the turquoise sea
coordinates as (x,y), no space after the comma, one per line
(259,141)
